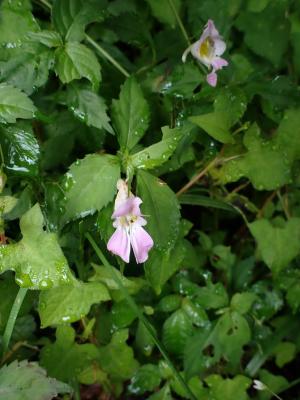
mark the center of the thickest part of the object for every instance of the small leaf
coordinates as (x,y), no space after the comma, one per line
(23,379)
(70,303)
(242,302)
(14,104)
(162,10)
(89,185)
(88,107)
(278,246)
(146,379)
(130,114)
(37,258)
(76,61)
(157,154)
(216,124)
(228,389)
(65,359)
(47,38)
(162,209)
(20,149)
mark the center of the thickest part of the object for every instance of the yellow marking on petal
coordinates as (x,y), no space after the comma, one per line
(206,47)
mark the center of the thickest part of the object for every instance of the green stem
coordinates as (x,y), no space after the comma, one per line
(107,55)
(181,26)
(12,318)
(139,314)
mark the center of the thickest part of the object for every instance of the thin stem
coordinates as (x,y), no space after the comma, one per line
(46,3)
(181,26)
(107,56)
(12,318)
(139,314)
(198,176)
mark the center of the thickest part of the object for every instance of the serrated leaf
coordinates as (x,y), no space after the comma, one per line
(117,358)
(146,379)
(75,61)
(70,303)
(76,357)
(70,17)
(157,154)
(162,209)
(89,185)
(14,104)
(47,38)
(130,114)
(20,380)
(278,246)
(37,258)
(87,106)
(20,149)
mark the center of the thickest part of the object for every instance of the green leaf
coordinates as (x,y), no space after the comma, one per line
(146,379)
(76,61)
(285,352)
(176,331)
(23,379)
(14,104)
(267,32)
(122,315)
(70,303)
(70,17)
(228,389)
(117,358)
(162,209)
(163,394)
(20,149)
(47,38)
(7,203)
(205,201)
(231,101)
(162,265)
(157,154)
(212,296)
(216,124)
(37,258)
(278,246)
(27,71)
(88,107)
(162,10)
(276,383)
(242,302)
(89,185)
(130,114)
(65,359)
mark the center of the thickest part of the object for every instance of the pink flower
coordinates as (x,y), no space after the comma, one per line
(208,50)
(129,223)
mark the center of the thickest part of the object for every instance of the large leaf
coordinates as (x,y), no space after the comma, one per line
(70,17)
(27,71)
(75,61)
(26,380)
(278,246)
(157,154)
(88,107)
(162,10)
(14,104)
(20,149)
(89,185)
(70,303)
(65,359)
(37,258)
(161,207)
(130,114)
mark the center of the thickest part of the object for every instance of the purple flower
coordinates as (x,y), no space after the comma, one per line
(129,223)
(208,50)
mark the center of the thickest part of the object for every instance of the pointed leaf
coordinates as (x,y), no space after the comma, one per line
(14,104)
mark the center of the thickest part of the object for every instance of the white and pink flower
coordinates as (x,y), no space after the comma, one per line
(129,223)
(208,50)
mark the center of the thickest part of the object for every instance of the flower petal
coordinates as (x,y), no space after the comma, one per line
(219,45)
(141,243)
(119,243)
(219,63)
(211,29)
(185,54)
(130,206)
(212,79)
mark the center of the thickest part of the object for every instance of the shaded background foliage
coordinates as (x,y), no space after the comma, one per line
(218,172)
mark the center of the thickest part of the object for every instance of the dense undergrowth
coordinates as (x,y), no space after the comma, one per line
(92,91)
